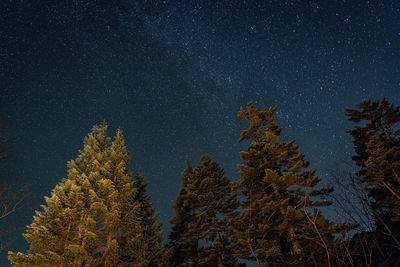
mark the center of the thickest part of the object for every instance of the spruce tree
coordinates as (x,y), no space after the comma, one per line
(203,217)
(377,146)
(65,233)
(376,139)
(281,224)
(116,212)
(92,217)
(184,248)
(149,250)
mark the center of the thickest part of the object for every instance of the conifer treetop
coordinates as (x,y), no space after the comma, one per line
(98,216)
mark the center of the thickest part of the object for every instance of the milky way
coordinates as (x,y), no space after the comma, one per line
(173,76)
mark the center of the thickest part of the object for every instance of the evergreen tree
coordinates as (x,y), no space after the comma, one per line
(377,146)
(65,232)
(92,217)
(383,169)
(376,140)
(280,224)
(184,248)
(203,217)
(116,211)
(148,249)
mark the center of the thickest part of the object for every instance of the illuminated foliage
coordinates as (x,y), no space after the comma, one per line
(280,224)
(94,216)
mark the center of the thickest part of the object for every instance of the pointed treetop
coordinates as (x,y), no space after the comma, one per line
(99,129)
(119,143)
(261,122)
(97,138)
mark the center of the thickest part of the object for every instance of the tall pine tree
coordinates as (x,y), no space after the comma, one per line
(280,224)
(93,217)
(65,232)
(202,226)
(149,250)
(184,248)
(377,146)
(376,139)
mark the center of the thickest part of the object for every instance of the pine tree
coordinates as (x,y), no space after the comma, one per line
(207,229)
(149,250)
(116,212)
(280,224)
(377,146)
(92,217)
(184,248)
(65,232)
(210,193)
(376,140)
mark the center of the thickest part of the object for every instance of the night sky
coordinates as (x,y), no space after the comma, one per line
(173,75)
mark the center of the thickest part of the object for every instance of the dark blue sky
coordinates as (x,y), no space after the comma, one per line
(173,75)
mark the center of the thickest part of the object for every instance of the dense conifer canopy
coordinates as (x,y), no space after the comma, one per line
(202,232)
(376,139)
(97,216)
(101,214)
(280,224)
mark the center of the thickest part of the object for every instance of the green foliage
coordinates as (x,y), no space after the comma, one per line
(279,225)
(202,232)
(93,217)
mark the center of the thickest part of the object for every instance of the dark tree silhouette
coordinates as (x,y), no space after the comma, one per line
(376,139)
(205,210)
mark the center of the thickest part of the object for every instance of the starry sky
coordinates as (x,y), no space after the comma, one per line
(173,74)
